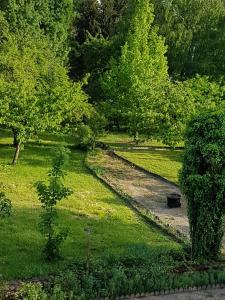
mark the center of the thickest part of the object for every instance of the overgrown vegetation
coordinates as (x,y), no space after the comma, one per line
(203,182)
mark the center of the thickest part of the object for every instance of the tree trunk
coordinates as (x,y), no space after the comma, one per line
(136,138)
(15,137)
(17,152)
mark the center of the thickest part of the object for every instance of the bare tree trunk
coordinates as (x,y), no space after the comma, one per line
(17,152)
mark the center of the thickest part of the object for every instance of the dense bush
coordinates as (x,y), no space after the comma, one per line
(138,271)
(203,182)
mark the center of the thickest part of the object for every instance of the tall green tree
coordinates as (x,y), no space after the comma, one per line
(203,182)
(53,17)
(135,81)
(194,32)
(36,93)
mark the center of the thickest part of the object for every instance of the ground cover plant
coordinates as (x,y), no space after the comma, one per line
(113,225)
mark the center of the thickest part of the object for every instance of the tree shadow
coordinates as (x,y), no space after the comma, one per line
(21,241)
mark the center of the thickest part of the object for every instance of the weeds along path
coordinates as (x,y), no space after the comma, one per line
(145,189)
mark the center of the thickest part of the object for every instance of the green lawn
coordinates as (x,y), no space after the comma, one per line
(114,226)
(124,141)
(165,163)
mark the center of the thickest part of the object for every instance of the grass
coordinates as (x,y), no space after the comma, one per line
(124,141)
(166,163)
(114,225)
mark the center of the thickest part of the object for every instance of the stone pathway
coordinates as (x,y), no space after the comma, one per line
(214,294)
(146,190)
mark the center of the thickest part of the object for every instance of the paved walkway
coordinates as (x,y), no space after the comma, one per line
(146,190)
(214,294)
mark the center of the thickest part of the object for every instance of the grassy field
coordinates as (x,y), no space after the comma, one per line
(114,226)
(124,141)
(164,162)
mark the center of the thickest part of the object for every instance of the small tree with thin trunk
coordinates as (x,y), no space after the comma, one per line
(203,182)
(50,195)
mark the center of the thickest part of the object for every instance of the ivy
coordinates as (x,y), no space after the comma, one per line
(203,181)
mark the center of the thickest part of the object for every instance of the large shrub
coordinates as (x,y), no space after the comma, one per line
(203,181)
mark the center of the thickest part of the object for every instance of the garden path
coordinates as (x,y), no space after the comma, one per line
(214,294)
(146,190)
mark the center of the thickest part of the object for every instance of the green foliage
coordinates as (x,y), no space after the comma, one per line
(134,83)
(204,92)
(203,182)
(35,291)
(5,206)
(50,17)
(49,196)
(36,93)
(86,135)
(195,40)
(134,273)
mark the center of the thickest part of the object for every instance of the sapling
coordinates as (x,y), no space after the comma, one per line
(5,206)
(49,195)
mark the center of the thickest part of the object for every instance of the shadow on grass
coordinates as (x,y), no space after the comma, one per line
(21,242)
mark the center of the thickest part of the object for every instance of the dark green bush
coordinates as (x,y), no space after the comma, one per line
(203,182)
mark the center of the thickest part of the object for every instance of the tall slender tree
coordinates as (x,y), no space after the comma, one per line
(135,81)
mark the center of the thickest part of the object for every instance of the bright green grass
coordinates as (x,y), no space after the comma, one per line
(114,225)
(123,140)
(165,163)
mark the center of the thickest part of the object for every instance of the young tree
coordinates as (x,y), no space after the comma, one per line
(49,195)
(5,206)
(203,182)
(135,81)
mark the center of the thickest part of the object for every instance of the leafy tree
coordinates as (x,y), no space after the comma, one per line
(135,81)
(203,182)
(194,33)
(88,133)
(36,93)
(54,18)
(204,92)
(49,195)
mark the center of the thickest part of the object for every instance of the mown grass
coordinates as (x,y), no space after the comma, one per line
(124,140)
(166,163)
(114,225)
